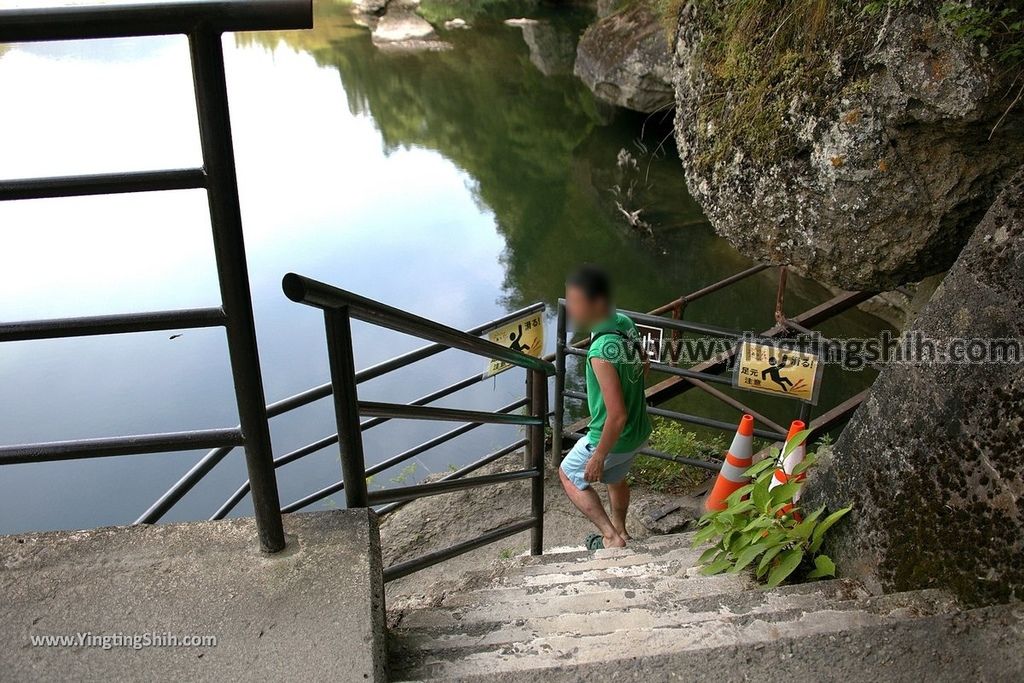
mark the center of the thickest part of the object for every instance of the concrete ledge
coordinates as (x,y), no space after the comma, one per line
(314,611)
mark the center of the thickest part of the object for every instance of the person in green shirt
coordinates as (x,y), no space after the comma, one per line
(619,424)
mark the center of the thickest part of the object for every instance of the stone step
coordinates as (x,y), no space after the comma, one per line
(787,602)
(977,645)
(507,604)
(683,540)
(621,559)
(555,651)
(652,544)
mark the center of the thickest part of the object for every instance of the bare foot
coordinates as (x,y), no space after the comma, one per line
(624,534)
(615,541)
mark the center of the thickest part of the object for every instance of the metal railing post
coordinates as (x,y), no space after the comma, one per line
(233,277)
(557,430)
(537,384)
(346,405)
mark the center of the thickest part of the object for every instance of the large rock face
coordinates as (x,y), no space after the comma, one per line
(625,59)
(861,157)
(934,459)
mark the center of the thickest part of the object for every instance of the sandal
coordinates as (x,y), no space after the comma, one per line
(594,542)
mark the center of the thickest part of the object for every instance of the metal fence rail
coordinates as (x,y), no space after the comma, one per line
(206,464)
(339,308)
(711,371)
(203,23)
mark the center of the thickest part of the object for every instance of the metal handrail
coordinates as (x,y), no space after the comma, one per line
(203,22)
(151,18)
(339,308)
(154,321)
(208,462)
(436,488)
(119,445)
(311,292)
(102,183)
(394,460)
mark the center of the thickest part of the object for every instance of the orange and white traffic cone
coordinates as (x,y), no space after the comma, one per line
(784,469)
(732,475)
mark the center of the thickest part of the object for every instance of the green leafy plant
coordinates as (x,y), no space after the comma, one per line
(764,530)
(1000,25)
(664,476)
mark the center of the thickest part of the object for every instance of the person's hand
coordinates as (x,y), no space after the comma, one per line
(594,468)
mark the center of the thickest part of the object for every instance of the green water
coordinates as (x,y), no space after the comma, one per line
(457,184)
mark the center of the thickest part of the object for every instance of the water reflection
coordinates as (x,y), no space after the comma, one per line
(457,184)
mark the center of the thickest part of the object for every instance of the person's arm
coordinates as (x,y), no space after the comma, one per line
(615,421)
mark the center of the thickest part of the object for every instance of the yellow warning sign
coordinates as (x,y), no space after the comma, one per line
(777,370)
(525,334)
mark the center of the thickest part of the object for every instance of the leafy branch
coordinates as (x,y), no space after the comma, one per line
(763,529)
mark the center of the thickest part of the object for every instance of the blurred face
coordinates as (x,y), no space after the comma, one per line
(582,311)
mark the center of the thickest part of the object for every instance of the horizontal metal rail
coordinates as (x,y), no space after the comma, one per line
(728,427)
(374,371)
(661,455)
(437,488)
(401,569)
(190,479)
(667,369)
(148,18)
(58,328)
(681,325)
(463,471)
(737,404)
(204,22)
(692,462)
(327,297)
(674,386)
(692,419)
(409,412)
(709,289)
(817,339)
(104,183)
(119,445)
(370,471)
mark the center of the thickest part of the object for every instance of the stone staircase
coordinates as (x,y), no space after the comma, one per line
(645,613)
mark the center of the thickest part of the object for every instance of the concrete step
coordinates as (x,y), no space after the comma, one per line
(977,645)
(652,544)
(611,560)
(546,651)
(446,634)
(580,597)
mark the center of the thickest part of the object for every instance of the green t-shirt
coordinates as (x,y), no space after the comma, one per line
(625,354)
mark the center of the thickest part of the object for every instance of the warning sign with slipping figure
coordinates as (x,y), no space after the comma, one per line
(525,334)
(774,369)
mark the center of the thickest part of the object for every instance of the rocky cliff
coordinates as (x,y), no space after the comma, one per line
(933,461)
(862,150)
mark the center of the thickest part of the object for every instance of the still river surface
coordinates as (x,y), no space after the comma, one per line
(458,185)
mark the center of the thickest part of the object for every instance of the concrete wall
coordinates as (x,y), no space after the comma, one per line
(314,611)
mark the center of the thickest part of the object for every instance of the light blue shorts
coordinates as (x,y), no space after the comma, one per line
(616,465)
